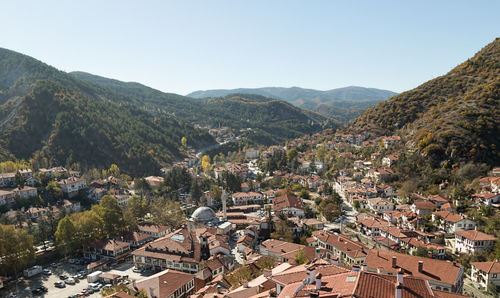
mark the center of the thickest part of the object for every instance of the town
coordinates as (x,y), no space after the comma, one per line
(327,214)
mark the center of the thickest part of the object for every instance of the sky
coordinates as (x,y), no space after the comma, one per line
(184,46)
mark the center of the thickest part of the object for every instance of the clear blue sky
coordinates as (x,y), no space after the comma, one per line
(183,46)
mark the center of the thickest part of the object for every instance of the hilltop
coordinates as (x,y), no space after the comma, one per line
(342,104)
(452,117)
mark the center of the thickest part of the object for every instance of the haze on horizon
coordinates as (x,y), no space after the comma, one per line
(184,46)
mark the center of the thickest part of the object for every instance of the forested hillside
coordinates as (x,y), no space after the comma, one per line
(452,117)
(272,121)
(56,119)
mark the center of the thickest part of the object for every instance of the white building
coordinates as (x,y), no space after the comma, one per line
(72,186)
(485,272)
(473,241)
(242,198)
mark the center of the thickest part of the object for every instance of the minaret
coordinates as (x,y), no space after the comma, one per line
(224,203)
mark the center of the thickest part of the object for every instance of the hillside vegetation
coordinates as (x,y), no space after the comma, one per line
(271,120)
(53,118)
(453,117)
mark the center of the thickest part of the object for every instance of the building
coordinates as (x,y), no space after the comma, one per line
(72,186)
(486,272)
(289,205)
(283,251)
(105,249)
(252,153)
(451,222)
(380,205)
(363,284)
(341,247)
(7,179)
(26,192)
(473,241)
(6,197)
(156,231)
(423,207)
(179,250)
(245,198)
(441,275)
(169,284)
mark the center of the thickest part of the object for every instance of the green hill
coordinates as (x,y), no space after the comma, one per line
(342,104)
(454,116)
(272,120)
(54,118)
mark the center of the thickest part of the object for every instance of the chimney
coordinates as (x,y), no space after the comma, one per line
(318,281)
(399,291)
(267,272)
(394,260)
(245,283)
(420,266)
(400,276)
(311,273)
(363,267)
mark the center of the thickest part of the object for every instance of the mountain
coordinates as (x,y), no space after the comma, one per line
(271,120)
(53,118)
(342,104)
(452,117)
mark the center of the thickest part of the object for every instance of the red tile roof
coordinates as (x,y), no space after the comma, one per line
(165,283)
(475,235)
(285,201)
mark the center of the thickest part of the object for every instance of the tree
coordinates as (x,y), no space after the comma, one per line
(105,292)
(137,206)
(330,211)
(16,249)
(300,257)
(184,142)
(167,212)
(19,180)
(88,226)
(196,191)
(205,163)
(65,234)
(54,191)
(114,170)
(292,154)
(356,205)
(421,252)
(142,185)
(304,194)
(282,230)
(111,214)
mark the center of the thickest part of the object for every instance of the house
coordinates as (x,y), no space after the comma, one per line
(105,249)
(72,186)
(486,198)
(218,172)
(451,222)
(423,207)
(313,223)
(26,192)
(341,247)
(168,283)
(289,205)
(441,275)
(283,251)
(380,205)
(371,227)
(473,241)
(179,250)
(7,179)
(245,198)
(154,181)
(361,284)
(154,230)
(251,153)
(70,206)
(6,197)
(380,175)
(484,273)
(389,141)
(435,251)
(135,239)
(389,160)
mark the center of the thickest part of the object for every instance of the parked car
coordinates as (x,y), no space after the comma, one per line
(60,284)
(137,270)
(70,281)
(43,289)
(54,265)
(63,277)
(47,271)
(36,291)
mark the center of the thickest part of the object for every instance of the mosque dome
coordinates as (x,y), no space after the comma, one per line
(203,214)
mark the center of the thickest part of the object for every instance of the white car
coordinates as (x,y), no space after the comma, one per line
(70,281)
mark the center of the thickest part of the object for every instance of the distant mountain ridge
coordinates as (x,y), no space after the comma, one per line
(342,104)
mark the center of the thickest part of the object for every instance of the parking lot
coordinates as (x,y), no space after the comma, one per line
(26,285)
